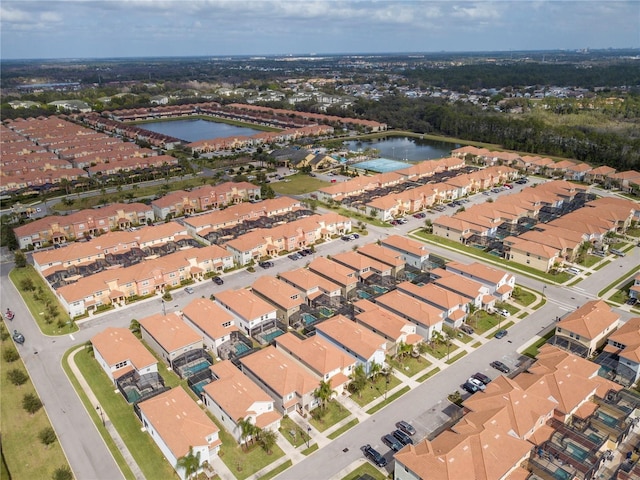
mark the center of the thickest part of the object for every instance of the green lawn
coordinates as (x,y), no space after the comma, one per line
(276,471)
(409,365)
(299,436)
(298,184)
(613,284)
(390,399)
(622,295)
(440,350)
(37,299)
(351,214)
(523,297)
(456,358)
(374,390)
(532,350)
(334,414)
(429,374)
(590,260)
(365,469)
(484,321)
(342,429)
(25,455)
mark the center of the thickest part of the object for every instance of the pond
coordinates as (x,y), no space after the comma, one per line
(405,148)
(194,129)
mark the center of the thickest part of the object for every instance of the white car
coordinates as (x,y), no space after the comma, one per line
(504,312)
(477,383)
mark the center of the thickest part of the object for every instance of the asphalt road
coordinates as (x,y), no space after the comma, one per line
(90,459)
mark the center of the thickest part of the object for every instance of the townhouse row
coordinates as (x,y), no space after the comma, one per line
(567,169)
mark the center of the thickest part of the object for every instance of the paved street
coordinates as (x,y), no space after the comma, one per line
(423,405)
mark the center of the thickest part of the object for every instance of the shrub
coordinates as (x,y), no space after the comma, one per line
(47,436)
(27,285)
(62,473)
(10,355)
(17,376)
(31,403)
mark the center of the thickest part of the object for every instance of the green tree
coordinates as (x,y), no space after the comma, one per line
(47,436)
(17,376)
(268,440)
(27,285)
(134,326)
(62,473)
(31,403)
(323,393)
(19,259)
(358,380)
(10,355)
(190,463)
(247,429)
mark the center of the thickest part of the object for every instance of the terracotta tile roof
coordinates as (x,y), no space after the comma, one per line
(245,304)
(179,421)
(210,317)
(333,270)
(349,334)
(410,307)
(277,292)
(590,320)
(405,244)
(434,294)
(170,331)
(629,336)
(307,280)
(316,353)
(382,320)
(382,254)
(118,345)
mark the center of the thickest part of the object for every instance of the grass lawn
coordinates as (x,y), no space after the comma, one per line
(358,216)
(374,390)
(429,374)
(287,426)
(25,455)
(37,306)
(365,469)
(532,350)
(299,183)
(343,429)
(463,337)
(334,414)
(456,358)
(409,366)
(524,297)
(431,238)
(484,321)
(273,473)
(621,295)
(388,400)
(613,284)
(476,345)
(590,260)
(440,350)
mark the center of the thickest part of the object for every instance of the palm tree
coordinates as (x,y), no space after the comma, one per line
(402,351)
(358,380)
(268,440)
(323,393)
(134,326)
(190,463)
(374,370)
(247,429)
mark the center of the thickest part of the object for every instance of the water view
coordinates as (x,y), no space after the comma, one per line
(194,129)
(405,148)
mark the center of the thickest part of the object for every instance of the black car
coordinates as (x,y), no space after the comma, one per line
(18,337)
(500,366)
(266,264)
(392,442)
(373,455)
(217,280)
(482,377)
(346,238)
(308,251)
(500,334)
(403,437)
(303,253)
(470,387)
(406,427)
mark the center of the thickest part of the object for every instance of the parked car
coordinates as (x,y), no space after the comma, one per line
(477,383)
(394,222)
(574,271)
(373,455)
(617,252)
(9,315)
(355,236)
(266,264)
(420,215)
(498,365)
(294,256)
(217,280)
(406,427)
(501,334)
(303,253)
(503,311)
(392,442)
(482,377)
(346,238)
(189,290)
(632,301)
(402,437)
(470,387)
(509,186)
(18,337)
(308,251)
(486,192)
(468,329)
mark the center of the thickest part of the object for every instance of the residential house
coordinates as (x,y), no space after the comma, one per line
(336,273)
(367,347)
(312,285)
(587,328)
(252,312)
(427,318)
(179,427)
(364,266)
(393,328)
(531,253)
(233,396)
(454,306)
(213,323)
(477,293)
(330,363)
(289,384)
(413,253)
(286,298)
(624,344)
(169,337)
(118,351)
(500,283)
(394,260)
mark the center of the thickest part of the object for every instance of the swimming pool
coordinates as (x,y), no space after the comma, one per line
(241,348)
(188,371)
(199,387)
(577,452)
(382,165)
(363,294)
(268,337)
(607,419)
(379,290)
(561,474)
(308,319)
(325,312)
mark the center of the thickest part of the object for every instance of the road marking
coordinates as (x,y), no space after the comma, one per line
(71,336)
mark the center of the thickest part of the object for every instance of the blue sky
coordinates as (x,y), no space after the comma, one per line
(133,28)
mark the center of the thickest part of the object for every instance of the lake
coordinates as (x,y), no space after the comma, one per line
(405,148)
(194,129)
